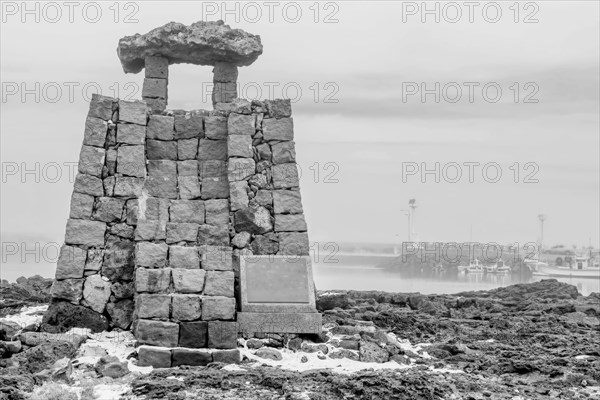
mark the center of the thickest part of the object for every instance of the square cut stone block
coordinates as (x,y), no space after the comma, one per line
(162,179)
(256,322)
(186,307)
(189,187)
(264,197)
(219,283)
(284,152)
(184,257)
(131,134)
(151,356)
(227,356)
(224,92)
(131,161)
(91,160)
(188,168)
(161,127)
(217,211)
(84,232)
(151,255)
(154,88)
(279,108)
(187,211)
(287,202)
(189,125)
(214,188)
(218,308)
(101,107)
(134,112)
(161,149)
(155,209)
(294,243)
(216,127)
(152,280)
(187,149)
(278,129)
(109,209)
(95,132)
(225,72)
(239,169)
(222,335)
(126,186)
(71,262)
(156,67)
(238,194)
(240,124)
(81,206)
(188,280)
(157,333)
(181,232)
(239,146)
(88,184)
(285,176)
(212,150)
(150,230)
(217,235)
(193,334)
(153,306)
(217,258)
(156,106)
(213,169)
(290,223)
(192,357)
(68,289)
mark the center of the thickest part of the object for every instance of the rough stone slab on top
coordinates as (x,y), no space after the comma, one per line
(201,43)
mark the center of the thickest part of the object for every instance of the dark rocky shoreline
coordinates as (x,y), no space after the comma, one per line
(527,341)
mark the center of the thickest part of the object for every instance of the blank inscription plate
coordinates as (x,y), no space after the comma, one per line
(277,281)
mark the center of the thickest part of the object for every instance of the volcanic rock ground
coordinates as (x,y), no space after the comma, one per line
(528,341)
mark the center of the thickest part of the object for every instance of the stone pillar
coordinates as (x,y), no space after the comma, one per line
(156,80)
(225,83)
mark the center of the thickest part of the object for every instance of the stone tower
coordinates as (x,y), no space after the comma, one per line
(183,223)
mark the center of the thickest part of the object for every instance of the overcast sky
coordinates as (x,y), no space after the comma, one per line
(367,63)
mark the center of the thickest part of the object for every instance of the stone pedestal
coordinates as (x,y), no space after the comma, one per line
(277,295)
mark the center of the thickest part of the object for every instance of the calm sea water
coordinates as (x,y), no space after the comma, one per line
(329,277)
(363,277)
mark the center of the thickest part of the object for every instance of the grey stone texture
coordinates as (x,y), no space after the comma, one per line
(131,134)
(134,112)
(71,262)
(150,356)
(157,333)
(240,124)
(278,129)
(186,307)
(287,202)
(188,280)
(156,67)
(151,255)
(81,206)
(152,280)
(86,233)
(218,308)
(161,127)
(219,283)
(184,257)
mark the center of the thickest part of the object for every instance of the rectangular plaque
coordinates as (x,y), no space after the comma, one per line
(276,284)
